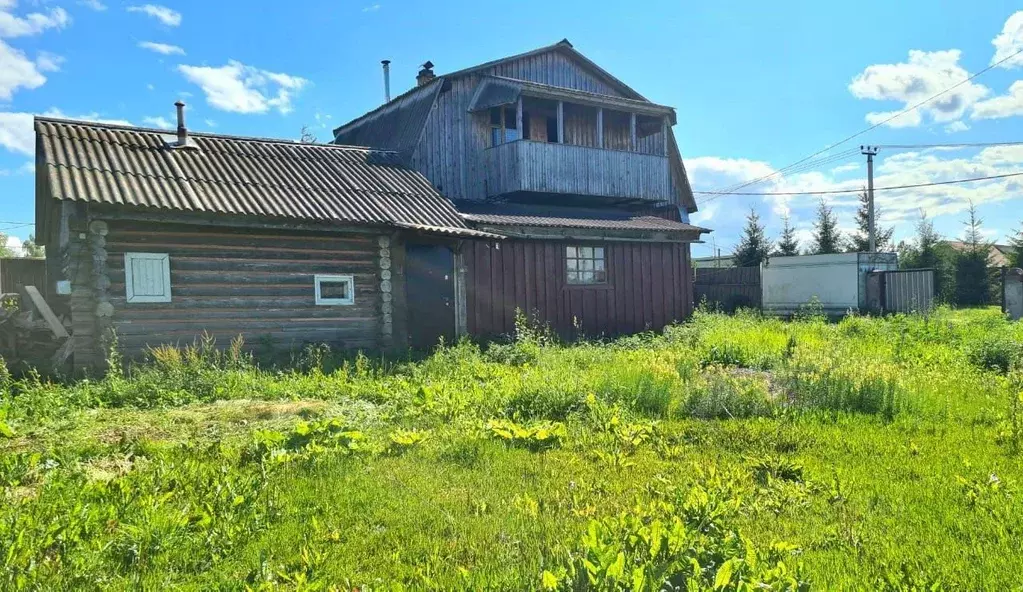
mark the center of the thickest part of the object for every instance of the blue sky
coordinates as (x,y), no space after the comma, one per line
(757,85)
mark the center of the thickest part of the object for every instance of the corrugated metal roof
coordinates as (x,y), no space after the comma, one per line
(396,125)
(507,214)
(130,166)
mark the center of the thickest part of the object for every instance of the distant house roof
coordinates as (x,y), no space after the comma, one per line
(510,214)
(129,166)
(998,255)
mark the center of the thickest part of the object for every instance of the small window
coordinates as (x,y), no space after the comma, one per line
(333,290)
(147,277)
(503,134)
(585,265)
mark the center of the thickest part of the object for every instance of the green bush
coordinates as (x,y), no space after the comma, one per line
(998,352)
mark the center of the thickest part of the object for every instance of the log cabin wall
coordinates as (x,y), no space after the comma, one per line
(254,283)
(649,286)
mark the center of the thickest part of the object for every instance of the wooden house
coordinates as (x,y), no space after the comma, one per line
(579,172)
(537,183)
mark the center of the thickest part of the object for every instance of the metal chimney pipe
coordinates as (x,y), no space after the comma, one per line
(182,130)
(387,80)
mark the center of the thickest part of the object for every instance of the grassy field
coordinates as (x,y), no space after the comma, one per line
(728,452)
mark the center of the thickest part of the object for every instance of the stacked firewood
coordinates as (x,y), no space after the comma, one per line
(27,339)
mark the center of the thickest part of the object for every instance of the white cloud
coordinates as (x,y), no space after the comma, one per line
(1009,41)
(30,24)
(162,48)
(244,89)
(16,132)
(923,75)
(171,18)
(17,71)
(956,126)
(1004,106)
(14,244)
(845,168)
(158,121)
(49,62)
(93,117)
(371,8)
(93,4)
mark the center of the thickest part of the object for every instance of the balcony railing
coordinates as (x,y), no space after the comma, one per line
(543,167)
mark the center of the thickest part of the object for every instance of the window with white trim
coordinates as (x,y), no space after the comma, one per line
(334,290)
(585,265)
(147,277)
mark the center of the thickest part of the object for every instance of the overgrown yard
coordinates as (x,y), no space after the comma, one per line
(868,454)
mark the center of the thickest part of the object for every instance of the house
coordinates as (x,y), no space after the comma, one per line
(537,182)
(579,172)
(998,255)
(714,262)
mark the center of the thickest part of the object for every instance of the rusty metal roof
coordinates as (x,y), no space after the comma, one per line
(129,166)
(509,214)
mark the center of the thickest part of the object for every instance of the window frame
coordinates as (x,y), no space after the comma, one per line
(604,282)
(320,278)
(129,292)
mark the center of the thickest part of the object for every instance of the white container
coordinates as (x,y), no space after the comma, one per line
(838,282)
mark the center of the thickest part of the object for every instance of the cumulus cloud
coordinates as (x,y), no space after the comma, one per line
(93,117)
(49,62)
(32,23)
(1003,106)
(93,4)
(244,89)
(923,75)
(1009,41)
(158,122)
(16,132)
(171,18)
(162,48)
(17,72)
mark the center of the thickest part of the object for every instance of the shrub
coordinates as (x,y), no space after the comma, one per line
(720,394)
(997,352)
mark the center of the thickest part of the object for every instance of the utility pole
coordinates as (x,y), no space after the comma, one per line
(870,152)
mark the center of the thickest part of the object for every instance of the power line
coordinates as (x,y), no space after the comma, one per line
(880,123)
(840,191)
(958,145)
(831,158)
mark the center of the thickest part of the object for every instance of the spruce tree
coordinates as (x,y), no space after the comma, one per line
(973,282)
(788,244)
(754,246)
(826,237)
(859,242)
(1016,258)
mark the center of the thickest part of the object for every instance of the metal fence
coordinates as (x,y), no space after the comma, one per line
(18,272)
(728,288)
(905,291)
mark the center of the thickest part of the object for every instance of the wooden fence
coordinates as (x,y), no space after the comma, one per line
(17,272)
(728,288)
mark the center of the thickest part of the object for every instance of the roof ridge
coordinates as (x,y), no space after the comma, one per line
(164,132)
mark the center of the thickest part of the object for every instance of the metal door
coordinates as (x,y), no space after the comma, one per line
(430,294)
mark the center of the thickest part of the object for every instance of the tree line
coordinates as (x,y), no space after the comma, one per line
(963,274)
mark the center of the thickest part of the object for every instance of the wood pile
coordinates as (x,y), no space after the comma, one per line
(31,335)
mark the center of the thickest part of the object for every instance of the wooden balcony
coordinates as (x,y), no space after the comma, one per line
(542,167)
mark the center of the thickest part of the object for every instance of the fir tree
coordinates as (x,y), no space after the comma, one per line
(1016,258)
(754,246)
(826,237)
(859,242)
(788,244)
(973,282)
(929,252)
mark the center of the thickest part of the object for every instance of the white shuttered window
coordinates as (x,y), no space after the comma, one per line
(147,277)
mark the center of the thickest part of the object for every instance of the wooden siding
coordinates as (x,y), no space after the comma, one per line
(241,282)
(560,168)
(649,286)
(556,69)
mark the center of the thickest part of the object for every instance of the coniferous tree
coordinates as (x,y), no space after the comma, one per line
(929,252)
(826,237)
(973,282)
(754,246)
(788,244)
(859,242)
(1016,259)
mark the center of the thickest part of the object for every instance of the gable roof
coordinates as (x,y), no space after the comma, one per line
(130,166)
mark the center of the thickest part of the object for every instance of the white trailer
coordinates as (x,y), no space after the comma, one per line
(838,282)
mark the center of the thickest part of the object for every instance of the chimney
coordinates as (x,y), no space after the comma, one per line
(182,130)
(426,74)
(387,80)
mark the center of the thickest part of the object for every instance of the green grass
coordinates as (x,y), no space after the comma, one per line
(727,451)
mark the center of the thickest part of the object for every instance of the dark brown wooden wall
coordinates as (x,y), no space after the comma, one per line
(649,286)
(244,282)
(728,288)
